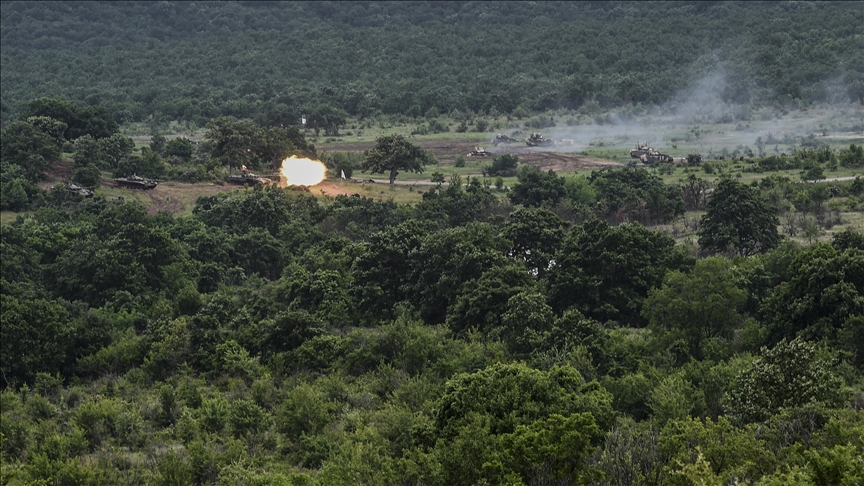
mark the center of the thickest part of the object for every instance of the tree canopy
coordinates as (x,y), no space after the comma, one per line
(738,220)
(393,153)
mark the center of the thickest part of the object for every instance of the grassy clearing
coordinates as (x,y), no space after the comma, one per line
(7,217)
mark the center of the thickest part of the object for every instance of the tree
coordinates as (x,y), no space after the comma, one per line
(502,165)
(853,156)
(448,259)
(814,173)
(30,148)
(515,394)
(526,323)
(275,145)
(179,147)
(482,301)
(115,149)
(791,374)
(392,153)
(51,127)
(607,271)
(88,176)
(636,194)
(380,277)
(701,305)
(158,142)
(695,192)
(736,219)
(823,288)
(535,188)
(35,333)
(95,121)
(233,141)
(536,234)
(87,152)
(328,118)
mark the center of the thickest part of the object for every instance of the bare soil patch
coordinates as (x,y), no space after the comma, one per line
(61,171)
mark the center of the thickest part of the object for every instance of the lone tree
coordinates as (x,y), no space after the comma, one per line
(738,220)
(394,152)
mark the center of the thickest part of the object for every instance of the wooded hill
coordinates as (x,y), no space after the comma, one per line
(273,61)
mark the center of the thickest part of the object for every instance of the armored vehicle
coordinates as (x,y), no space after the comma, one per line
(247,178)
(640,150)
(501,138)
(653,156)
(76,189)
(538,140)
(478,152)
(135,182)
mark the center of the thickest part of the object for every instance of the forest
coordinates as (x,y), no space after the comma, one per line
(616,325)
(476,337)
(276,61)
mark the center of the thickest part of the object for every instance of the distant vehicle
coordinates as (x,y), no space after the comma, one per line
(135,182)
(246,178)
(538,140)
(653,157)
(76,189)
(478,152)
(501,138)
(648,155)
(640,150)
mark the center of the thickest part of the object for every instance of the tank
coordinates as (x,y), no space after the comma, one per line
(76,189)
(135,182)
(501,138)
(538,140)
(654,157)
(247,179)
(640,150)
(478,152)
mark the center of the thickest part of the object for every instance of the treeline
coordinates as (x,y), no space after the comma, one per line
(272,338)
(50,127)
(274,62)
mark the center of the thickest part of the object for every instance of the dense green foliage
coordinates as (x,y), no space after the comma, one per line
(271,338)
(277,61)
(541,333)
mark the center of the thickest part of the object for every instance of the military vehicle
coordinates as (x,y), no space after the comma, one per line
(501,138)
(640,150)
(653,156)
(135,182)
(478,152)
(538,140)
(248,179)
(76,189)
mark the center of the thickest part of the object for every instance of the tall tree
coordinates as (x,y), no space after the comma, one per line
(738,220)
(234,141)
(607,271)
(393,153)
(29,147)
(701,305)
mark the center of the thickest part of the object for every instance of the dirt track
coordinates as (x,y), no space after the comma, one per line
(447,150)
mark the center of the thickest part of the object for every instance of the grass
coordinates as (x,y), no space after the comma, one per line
(8,217)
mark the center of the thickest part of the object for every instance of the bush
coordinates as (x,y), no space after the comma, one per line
(694,159)
(88,176)
(460,161)
(502,165)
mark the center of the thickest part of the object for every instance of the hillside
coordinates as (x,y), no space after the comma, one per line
(273,61)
